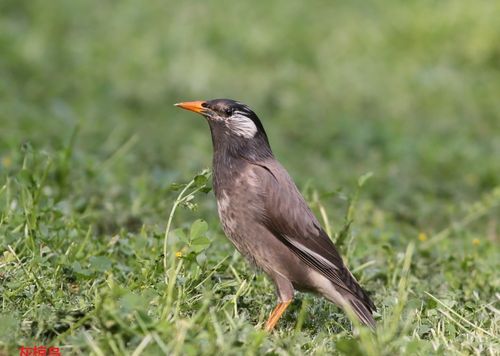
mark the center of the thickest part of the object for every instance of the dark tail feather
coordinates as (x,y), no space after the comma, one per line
(363,313)
(359,300)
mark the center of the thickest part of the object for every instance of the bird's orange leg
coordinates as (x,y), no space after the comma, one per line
(276,315)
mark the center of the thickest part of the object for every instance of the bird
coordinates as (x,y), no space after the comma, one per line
(264,215)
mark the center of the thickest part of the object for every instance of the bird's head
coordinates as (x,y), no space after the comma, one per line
(238,118)
(233,124)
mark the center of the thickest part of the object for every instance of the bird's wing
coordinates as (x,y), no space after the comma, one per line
(288,217)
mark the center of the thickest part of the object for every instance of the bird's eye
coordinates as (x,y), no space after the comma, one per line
(228,111)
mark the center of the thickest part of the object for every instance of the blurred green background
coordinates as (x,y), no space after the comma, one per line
(408,90)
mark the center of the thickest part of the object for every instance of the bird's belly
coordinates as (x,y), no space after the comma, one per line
(238,220)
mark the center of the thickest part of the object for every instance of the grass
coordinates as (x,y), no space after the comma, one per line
(386,114)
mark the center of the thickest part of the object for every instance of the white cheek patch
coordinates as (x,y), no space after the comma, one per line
(241,125)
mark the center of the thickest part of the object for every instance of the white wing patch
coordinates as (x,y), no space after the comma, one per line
(241,125)
(310,252)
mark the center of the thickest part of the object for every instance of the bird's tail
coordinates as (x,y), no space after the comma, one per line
(361,311)
(358,300)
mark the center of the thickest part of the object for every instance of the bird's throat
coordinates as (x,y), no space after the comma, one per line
(228,146)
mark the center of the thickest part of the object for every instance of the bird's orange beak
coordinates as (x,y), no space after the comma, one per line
(195,106)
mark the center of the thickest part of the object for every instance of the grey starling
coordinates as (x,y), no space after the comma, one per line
(264,215)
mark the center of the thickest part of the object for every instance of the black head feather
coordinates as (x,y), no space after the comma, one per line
(221,114)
